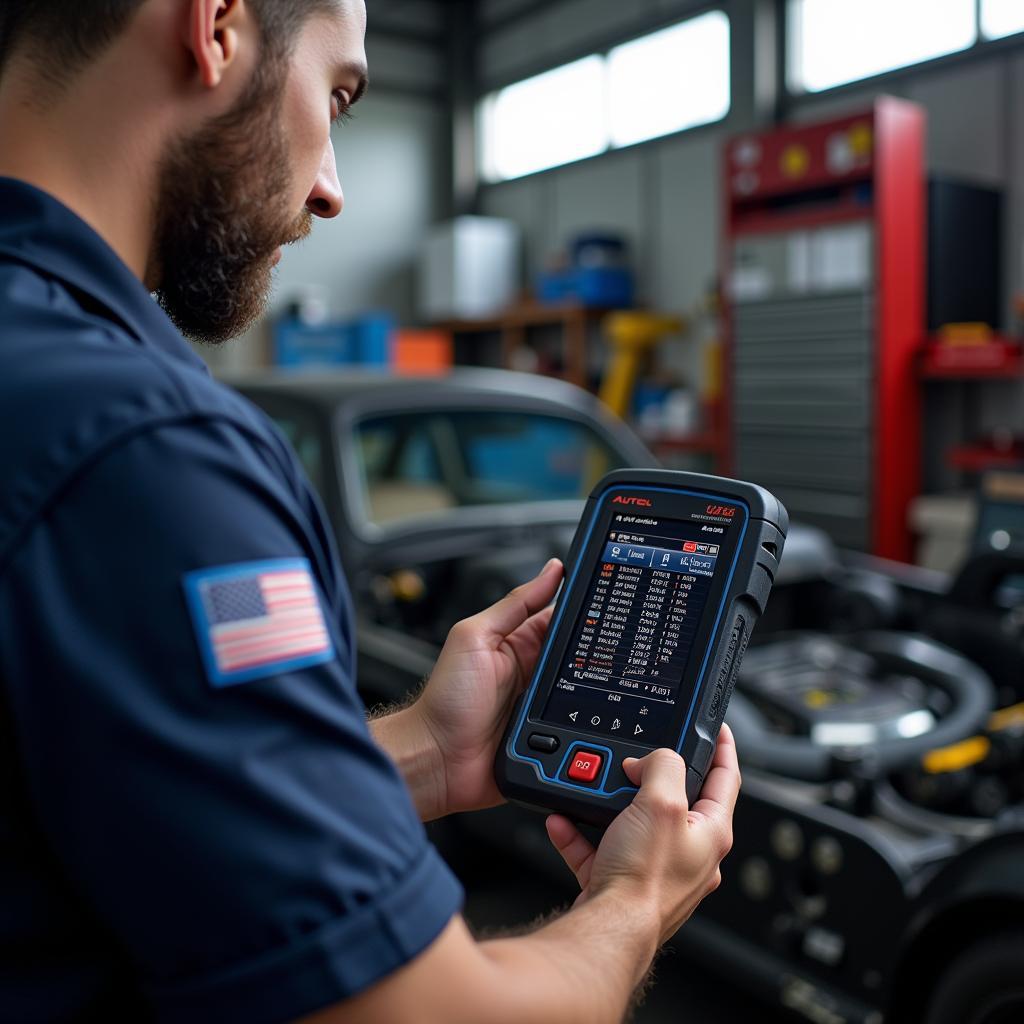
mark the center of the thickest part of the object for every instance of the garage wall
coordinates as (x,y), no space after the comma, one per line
(662,195)
(665,193)
(394,166)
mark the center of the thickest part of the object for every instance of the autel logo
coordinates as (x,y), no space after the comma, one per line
(621,499)
(720,510)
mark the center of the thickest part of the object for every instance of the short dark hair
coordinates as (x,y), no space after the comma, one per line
(76,33)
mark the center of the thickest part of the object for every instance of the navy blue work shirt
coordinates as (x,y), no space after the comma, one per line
(195,823)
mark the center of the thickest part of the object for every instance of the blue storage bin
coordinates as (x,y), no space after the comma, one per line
(604,286)
(372,337)
(298,344)
(590,286)
(365,341)
(554,286)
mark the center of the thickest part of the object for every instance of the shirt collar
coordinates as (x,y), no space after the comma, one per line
(40,231)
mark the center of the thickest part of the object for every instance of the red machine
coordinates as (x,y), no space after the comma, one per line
(824,264)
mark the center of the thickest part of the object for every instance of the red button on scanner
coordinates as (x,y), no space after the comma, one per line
(584,766)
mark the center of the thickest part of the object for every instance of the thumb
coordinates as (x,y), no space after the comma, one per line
(576,851)
(508,614)
(661,774)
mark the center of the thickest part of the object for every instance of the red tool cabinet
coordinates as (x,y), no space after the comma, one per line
(824,268)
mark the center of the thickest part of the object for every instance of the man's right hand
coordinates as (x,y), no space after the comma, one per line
(656,862)
(659,853)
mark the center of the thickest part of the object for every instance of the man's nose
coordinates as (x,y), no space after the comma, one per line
(326,200)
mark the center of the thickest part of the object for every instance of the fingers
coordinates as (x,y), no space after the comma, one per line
(661,776)
(576,851)
(535,628)
(722,785)
(526,643)
(512,611)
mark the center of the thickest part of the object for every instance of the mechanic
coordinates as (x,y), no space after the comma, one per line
(197,822)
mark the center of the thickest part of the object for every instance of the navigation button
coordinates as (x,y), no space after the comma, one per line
(545,744)
(584,766)
(637,731)
(573,714)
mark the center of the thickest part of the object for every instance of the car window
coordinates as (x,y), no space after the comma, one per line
(413,464)
(306,442)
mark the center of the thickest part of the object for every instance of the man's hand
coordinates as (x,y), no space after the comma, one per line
(656,862)
(658,852)
(485,664)
(445,743)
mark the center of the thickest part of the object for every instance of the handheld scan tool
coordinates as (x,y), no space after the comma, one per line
(667,575)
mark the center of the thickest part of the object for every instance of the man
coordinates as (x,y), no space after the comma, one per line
(196,821)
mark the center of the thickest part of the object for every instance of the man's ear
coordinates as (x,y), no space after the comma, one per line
(212,36)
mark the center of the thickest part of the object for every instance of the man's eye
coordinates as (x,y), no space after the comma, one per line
(339,107)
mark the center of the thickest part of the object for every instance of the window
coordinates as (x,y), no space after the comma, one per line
(670,80)
(1001,18)
(664,82)
(415,464)
(545,121)
(837,41)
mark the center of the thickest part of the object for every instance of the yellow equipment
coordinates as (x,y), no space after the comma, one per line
(632,336)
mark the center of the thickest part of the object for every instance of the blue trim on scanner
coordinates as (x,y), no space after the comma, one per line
(510,749)
(192,581)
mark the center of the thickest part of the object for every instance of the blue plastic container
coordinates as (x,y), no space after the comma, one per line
(365,341)
(589,286)
(297,344)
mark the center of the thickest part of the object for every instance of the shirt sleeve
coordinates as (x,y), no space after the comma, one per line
(254,853)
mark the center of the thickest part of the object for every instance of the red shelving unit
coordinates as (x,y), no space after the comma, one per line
(998,358)
(979,458)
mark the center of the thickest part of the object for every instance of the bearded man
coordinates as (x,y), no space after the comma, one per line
(197,822)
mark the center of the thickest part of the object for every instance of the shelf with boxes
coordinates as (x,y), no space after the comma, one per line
(516,324)
(973,358)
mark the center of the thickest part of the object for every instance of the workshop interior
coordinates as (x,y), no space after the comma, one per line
(774,240)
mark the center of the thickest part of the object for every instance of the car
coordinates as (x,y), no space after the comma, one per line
(877,872)
(444,492)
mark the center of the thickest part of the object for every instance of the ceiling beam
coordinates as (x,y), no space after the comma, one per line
(528,10)
(404,34)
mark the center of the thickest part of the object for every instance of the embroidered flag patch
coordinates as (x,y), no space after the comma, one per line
(256,619)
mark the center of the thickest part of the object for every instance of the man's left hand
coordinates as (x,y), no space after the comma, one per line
(459,719)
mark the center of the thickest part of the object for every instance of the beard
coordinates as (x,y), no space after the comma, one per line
(220,217)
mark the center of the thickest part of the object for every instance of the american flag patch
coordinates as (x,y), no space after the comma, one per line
(257,619)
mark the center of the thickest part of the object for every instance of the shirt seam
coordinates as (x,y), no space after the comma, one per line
(84,465)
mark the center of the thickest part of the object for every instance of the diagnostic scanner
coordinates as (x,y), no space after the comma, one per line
(667,575)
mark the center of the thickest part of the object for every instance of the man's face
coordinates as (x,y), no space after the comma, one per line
(231,194)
